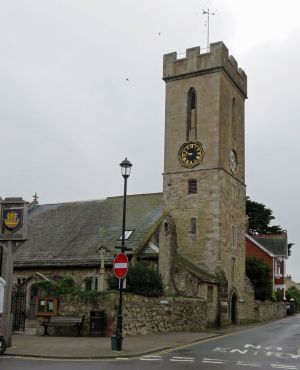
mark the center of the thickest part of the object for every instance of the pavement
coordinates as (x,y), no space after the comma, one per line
(31,345)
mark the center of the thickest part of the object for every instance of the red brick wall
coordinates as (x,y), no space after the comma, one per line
(252,250)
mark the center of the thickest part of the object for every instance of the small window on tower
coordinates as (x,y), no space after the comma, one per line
(192,186)
(233,269)
(210,293)
(193,226)
(234,236)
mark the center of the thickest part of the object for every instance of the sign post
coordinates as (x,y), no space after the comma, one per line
(13,231)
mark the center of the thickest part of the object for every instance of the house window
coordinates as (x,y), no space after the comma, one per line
(210,293)
(20,280)
(234,237)
(128,234)
(278,268)
(192,186)
(88,283)
(96,283)
(193,226)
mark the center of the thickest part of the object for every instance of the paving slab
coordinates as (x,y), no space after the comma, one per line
(98,347)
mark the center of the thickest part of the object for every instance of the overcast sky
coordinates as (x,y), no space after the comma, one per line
(81,88)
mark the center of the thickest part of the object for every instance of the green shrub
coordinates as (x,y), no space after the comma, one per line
(66,286)
(260,275)
(141,279)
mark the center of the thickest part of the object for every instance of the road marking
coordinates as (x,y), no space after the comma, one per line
(241,352)
(273,348)
(243,363)
(252,346)
(213,360)
(122,358)
(182,359)
(151,358)
(278,366)
(221,349)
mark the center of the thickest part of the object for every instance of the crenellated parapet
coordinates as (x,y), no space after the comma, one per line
(195,63)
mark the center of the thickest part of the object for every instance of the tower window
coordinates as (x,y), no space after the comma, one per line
(192,186)
(193,226)
(232,269)
(234,236)
(191,133)
(210,293)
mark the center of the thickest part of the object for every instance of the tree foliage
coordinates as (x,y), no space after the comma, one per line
(260,218)
(260,275)
(294,293)
(141,279)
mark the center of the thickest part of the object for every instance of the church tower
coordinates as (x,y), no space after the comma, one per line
(204,162)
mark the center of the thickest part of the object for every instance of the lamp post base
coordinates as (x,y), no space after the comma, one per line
(116,343)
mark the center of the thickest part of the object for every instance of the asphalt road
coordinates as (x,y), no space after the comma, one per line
(272,346)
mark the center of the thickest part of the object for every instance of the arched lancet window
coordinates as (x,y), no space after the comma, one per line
(191,132)
(193,226)
(234,120)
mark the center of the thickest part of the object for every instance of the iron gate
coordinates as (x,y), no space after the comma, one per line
(18,308)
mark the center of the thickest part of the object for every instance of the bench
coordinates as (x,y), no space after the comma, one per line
(63,321)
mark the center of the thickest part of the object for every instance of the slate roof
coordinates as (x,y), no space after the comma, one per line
(71,234)
(275,243)
(194,269)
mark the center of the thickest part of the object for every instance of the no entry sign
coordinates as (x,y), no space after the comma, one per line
(121,265)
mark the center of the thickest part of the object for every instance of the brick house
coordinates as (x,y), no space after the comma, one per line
(273,250)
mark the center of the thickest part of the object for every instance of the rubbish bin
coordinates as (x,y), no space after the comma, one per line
(97,322)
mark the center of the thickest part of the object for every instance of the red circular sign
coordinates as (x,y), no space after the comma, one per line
(121,265)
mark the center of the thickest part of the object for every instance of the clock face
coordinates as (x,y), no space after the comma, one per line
(233,164)
(191,154)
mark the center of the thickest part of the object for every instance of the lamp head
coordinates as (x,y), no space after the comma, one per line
(125,168)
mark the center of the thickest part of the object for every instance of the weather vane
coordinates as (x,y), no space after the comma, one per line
(208,13)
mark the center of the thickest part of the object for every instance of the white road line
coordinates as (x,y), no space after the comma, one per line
(150,359)
(213,362)
(122,358)
(180,360)
(184,358)
(254,364)
(278,366)
(212,359)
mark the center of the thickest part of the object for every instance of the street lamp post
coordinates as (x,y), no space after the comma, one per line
(125,170)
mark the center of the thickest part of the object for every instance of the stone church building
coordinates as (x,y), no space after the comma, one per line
(194,231)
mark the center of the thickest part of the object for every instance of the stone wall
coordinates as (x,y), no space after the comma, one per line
(148,315)
(267,310)
(247,303)
(142,315)
(253,310)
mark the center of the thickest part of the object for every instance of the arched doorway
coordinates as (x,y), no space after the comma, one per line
(233,305)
